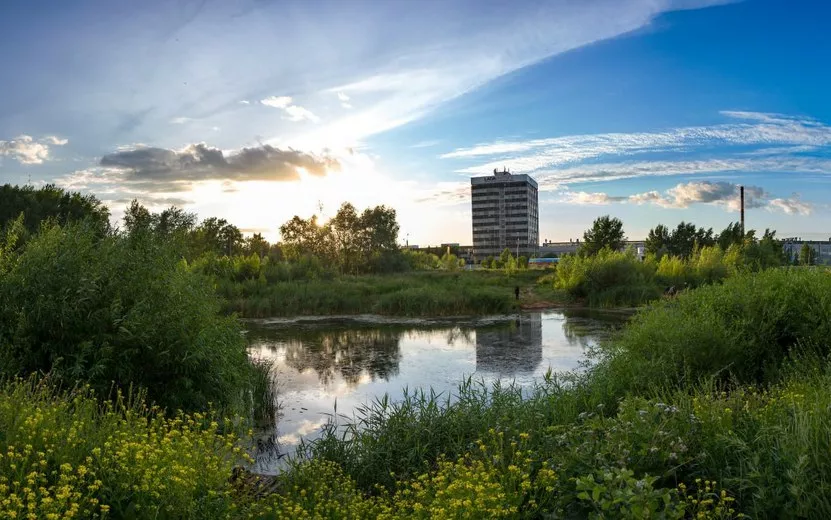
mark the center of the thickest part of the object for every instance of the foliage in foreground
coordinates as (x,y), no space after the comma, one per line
(65,455)
(720,433)
(118,311)
(610,277)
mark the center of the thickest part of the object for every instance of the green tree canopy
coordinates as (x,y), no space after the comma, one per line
(606,232)
(50,202)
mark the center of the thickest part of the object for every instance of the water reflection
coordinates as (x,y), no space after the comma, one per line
(348,353)
(510,348)
(350,361)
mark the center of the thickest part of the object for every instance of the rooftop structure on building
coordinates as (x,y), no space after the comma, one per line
(505,211)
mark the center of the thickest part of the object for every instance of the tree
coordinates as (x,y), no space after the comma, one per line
(138,219)
(379,236)
(807,255)
(685,238)
(51,202)
(256,245)
(346,230)
(175,221)
(657,241)
(217,236)
(732,234)
(505,257)
(606,232)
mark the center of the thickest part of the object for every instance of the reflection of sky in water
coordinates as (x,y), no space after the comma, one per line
(320,363)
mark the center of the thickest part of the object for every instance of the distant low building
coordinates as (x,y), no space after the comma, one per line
(822,248)
(564,248)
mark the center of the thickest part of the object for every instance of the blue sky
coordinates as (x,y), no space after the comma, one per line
(256,110)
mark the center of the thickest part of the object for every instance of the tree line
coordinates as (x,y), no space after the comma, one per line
(685,239)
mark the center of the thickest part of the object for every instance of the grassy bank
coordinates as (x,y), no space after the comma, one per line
(430,293)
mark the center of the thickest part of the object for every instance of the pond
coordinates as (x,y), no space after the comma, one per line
(321,361)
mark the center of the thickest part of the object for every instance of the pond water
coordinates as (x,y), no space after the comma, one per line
(351,360)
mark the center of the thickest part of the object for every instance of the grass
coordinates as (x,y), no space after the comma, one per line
(716,404)
(673,418)
(413,294)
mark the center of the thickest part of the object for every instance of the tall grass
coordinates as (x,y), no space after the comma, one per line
(716,403)
(412,294)
(608,279)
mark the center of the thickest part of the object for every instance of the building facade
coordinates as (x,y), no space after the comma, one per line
(822,249)
(505,210)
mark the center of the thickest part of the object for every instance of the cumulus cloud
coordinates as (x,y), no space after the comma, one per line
(160,170)
(724,194)
(27,150)
(293,112)
(199,162)
(792,205)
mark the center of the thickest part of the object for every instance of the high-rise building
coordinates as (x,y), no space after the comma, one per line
(505,214)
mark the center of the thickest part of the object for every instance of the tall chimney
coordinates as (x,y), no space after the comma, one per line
(741,194)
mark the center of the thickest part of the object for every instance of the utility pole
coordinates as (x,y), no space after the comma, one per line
(517,250)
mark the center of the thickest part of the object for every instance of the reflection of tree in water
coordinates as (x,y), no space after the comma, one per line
(584,327)
(349,353)
(576,332)
(511,348)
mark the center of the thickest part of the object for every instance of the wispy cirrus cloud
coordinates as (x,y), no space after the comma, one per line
(684,195)
(344,100)
(775,133)
(27,150)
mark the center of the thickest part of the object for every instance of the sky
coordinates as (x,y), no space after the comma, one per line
(652,111)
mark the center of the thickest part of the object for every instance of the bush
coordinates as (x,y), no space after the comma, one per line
(124,312)
(608,278)
(740,331)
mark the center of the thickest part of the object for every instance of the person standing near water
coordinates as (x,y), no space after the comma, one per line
(516,292)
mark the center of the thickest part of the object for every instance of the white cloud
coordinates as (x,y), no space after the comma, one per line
(57,141)
(293,112)
(426,144)
(798,134)
(180,120)
(26,150)
(551,179)
(414,78)
(723,194)
(276,101)
(583,198)
(342,96)
(792,205)
(244,102)
(296,113)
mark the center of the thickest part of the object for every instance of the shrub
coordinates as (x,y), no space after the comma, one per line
(739,331)
(608,278)
(123,312)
